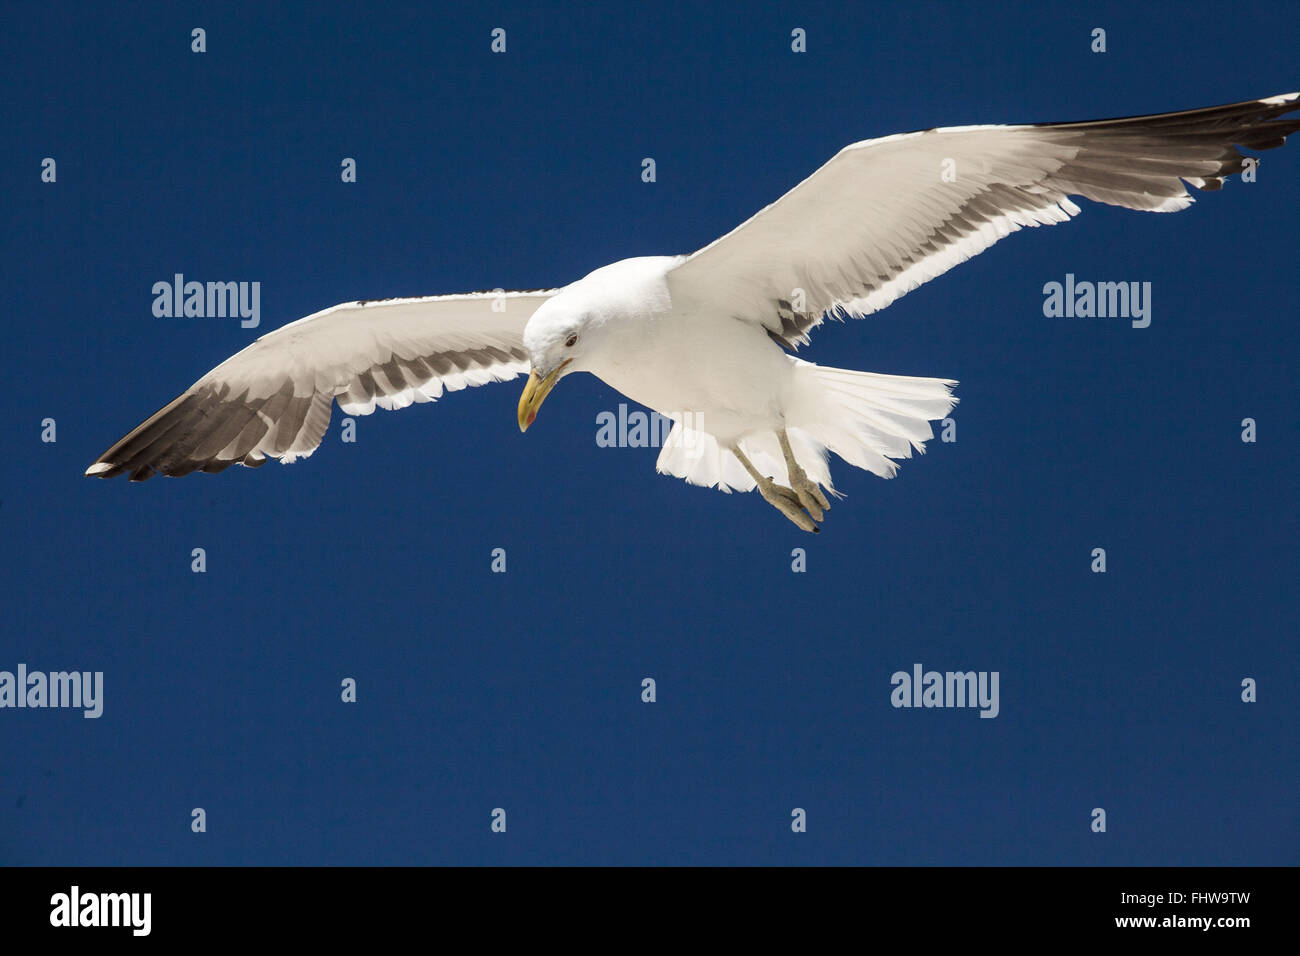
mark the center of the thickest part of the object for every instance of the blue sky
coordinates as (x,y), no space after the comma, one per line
(522,690)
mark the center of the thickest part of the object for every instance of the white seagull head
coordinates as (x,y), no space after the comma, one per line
(570,332)
(555,337)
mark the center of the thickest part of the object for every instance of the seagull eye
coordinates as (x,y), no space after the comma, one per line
(571,341)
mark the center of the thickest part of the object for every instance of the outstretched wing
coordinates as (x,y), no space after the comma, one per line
(886,215)
(273,399)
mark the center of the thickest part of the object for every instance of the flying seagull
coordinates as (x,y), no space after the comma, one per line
(707,339)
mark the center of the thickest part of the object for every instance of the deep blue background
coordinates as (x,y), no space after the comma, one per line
(522,690)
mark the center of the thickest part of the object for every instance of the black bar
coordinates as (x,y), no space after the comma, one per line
(334,905)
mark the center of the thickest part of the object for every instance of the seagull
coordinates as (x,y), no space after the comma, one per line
(708,339)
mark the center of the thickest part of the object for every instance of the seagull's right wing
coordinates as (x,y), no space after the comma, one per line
(885,215)
(273,399)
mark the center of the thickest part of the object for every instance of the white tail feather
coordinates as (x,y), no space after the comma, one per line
(866,418)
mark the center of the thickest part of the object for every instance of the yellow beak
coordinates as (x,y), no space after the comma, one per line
(535,393)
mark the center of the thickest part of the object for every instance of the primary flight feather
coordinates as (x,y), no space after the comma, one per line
(706,339)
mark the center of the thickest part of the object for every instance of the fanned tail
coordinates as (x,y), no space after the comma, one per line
(866,418)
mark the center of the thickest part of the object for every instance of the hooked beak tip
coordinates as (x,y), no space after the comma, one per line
(535,392)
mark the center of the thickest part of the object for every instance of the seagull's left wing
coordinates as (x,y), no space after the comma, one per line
(273,399)
(885,215)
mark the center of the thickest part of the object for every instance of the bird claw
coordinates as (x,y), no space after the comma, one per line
(790,503)
(803,503)
(805,491)
(810,495)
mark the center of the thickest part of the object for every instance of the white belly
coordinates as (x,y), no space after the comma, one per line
(725,378)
